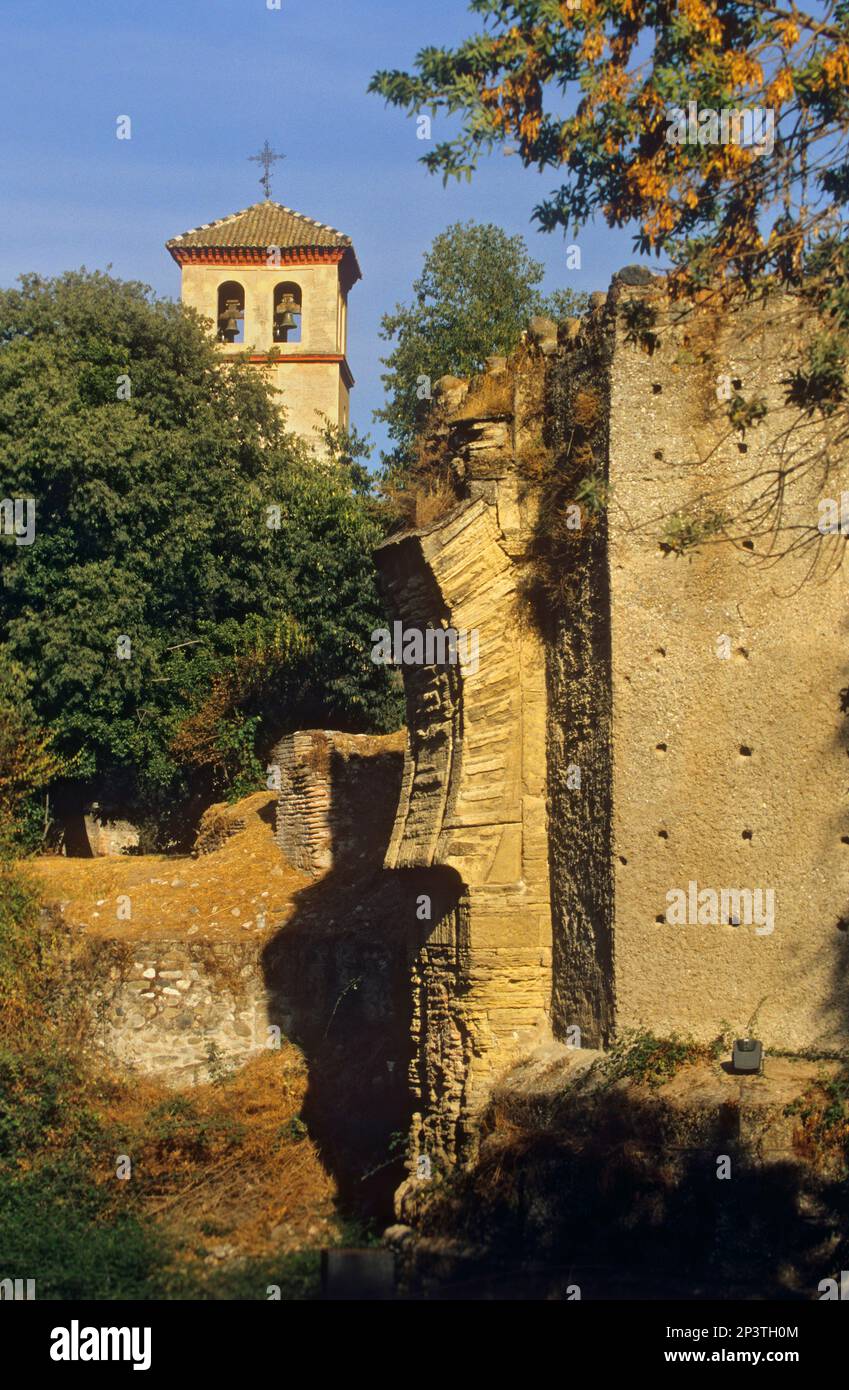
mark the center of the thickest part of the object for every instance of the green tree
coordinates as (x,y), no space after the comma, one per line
(27,764)
(174,510)
(477,290)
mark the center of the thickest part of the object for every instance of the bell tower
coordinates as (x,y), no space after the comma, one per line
(275,285)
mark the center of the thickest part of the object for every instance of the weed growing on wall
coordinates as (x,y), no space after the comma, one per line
(638,1055)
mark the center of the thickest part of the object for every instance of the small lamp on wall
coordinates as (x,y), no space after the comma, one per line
(747,1057)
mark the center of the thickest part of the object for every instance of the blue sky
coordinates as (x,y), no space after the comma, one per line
(205,82)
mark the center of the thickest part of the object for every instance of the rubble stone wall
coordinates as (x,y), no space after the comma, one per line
(177,1010)
(327,780)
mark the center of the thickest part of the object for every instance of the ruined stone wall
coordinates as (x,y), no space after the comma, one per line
(182,1010)
(303,807)
(109,837)
(575,575)
(176,995)
(697,686)
(729,748)
(323,794)
(669,716)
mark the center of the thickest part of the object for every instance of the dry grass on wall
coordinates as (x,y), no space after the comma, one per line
(240,887)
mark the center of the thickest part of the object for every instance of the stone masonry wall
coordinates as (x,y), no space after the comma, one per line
(178,1004)
(729,746)
(173,1009)
(579,714)
(715,754)
(183,1010)
(303,809)
(109,837)
(671,717)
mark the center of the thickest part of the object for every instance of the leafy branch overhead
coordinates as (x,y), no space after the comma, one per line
(590,91)
(716,130)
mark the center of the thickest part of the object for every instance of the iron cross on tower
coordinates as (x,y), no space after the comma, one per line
(266,158)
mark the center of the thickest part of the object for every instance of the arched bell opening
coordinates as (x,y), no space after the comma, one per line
(231,312)
(288,313)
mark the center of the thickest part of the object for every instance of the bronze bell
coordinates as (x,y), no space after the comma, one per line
(228,320)
(284,318)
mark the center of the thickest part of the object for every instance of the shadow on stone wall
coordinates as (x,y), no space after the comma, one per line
(571,584)
(337,977)
(838,997)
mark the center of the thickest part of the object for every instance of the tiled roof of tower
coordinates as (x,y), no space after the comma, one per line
(260,226)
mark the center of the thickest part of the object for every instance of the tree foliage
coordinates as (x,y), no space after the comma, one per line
(639,110)
(172,509)
(27,763)
(588,88)
(477,290)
